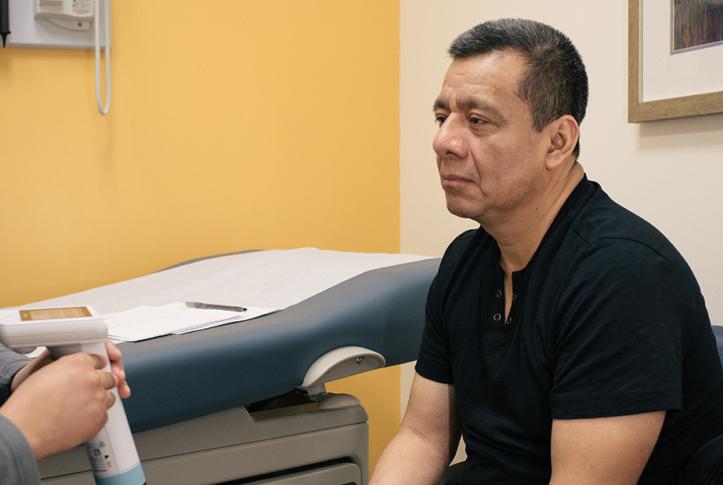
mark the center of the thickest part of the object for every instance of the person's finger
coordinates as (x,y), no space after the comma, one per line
(40,361)
(124,391)
(109,380)
(114,353)
(98,361)
(43,358)
(116,364)
(109,400)
(118,370)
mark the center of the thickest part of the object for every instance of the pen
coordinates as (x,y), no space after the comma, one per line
(4,20)
(213,306)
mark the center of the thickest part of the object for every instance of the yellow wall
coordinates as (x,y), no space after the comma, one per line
(257,125)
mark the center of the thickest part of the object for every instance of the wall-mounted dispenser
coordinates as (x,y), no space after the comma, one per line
(73,24)
(68,14)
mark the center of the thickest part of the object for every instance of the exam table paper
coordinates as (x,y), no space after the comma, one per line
(265,279)
(145,321)
(269,279)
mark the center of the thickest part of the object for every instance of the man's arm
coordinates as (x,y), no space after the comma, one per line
(427,438)
(609,451)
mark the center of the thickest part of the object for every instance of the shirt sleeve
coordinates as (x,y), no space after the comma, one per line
(433,361)
(618,344)
(10,363)
(17,463)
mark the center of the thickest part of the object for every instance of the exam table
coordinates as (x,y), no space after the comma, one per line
(246,403)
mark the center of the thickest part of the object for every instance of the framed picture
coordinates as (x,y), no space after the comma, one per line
(675,59)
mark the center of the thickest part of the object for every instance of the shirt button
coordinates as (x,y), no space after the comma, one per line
(499,293)
(497,317)
(514,296)
(509,321)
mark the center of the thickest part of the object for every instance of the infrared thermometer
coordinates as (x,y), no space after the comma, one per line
(112,452)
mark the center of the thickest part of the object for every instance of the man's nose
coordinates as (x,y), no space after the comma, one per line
(449,140)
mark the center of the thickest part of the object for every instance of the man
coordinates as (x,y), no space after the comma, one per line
(566,339)
(54,406)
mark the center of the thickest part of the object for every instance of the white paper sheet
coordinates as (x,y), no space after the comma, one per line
(266,279)
(146,321)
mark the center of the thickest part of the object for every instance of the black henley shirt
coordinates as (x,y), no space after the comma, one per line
(607,319)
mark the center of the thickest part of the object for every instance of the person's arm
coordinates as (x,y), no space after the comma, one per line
(30,431)
(619,351)
(10,364)
(427,438)
(603,451)
(17,463)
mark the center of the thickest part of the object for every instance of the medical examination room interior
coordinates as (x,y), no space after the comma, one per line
(237,125)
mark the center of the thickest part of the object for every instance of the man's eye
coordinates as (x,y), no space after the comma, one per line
(476,120)
(439,119)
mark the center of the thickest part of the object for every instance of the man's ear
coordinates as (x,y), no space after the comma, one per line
(563,134)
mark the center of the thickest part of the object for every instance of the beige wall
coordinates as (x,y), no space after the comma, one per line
(669,172)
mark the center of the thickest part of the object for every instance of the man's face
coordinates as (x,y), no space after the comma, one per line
(489,155)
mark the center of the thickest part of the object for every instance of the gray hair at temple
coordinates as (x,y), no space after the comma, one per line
(555,83)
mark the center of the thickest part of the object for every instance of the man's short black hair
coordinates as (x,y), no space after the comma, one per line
(555,83)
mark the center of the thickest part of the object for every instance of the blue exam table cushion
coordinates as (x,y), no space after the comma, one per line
(179,377)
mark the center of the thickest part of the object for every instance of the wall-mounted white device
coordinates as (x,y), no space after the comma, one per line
(75,24)
(29,30)
(68,14)
(112,452)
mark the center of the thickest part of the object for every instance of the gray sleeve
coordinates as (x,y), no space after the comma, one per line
(17,463)
(10,363)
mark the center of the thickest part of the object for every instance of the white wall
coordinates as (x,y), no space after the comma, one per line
(668,172)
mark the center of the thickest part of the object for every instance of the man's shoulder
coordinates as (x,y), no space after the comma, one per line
(605,227)
(606,240)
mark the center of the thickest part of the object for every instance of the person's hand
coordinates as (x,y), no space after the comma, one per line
(34,365)
(45,358)
(63,403)
(116,365)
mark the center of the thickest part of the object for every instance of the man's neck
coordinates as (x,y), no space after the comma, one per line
(521,235)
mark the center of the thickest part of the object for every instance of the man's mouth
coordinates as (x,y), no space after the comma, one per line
(454,180)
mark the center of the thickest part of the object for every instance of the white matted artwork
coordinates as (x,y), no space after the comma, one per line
(675,58)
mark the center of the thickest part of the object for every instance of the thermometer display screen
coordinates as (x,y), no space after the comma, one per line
(54,313)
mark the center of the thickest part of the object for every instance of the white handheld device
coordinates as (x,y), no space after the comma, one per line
(112,452)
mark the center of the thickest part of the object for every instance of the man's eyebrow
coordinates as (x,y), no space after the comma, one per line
(439,104)
(470,104)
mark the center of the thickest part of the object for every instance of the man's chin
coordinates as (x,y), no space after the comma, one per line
(461,210)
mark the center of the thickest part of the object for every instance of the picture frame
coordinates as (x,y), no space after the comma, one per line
(660,109)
